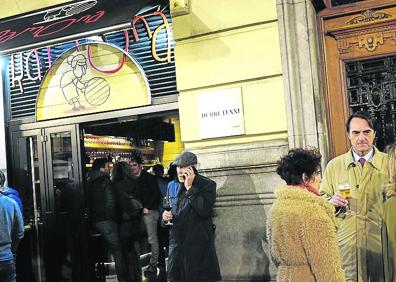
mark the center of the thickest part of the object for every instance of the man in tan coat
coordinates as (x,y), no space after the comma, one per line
(363,169)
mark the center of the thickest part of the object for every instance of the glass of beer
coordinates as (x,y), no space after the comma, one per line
(345,191)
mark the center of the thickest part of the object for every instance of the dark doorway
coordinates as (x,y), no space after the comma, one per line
(48,169)
(157,139)
(45,171)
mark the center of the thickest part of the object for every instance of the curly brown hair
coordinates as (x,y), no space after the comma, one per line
(297,162)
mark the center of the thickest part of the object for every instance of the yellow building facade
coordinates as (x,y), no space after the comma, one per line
(252,50)
(248,78)
(221,47)
(227,49)
(254,79)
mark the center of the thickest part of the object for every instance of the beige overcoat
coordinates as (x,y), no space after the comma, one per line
(302,234)
(359,233)
(390,223)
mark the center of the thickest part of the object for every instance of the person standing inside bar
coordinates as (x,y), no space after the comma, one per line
(354,184)
(127,188)
(171,195)
(163,232)
(103,211)
(150,200)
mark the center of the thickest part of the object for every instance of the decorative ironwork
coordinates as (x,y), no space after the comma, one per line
(371,86)
(343,2)
(369,16)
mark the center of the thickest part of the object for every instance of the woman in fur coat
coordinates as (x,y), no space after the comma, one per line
(301,226)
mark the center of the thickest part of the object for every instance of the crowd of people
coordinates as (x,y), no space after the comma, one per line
(337,228)
(126,203)
(341,228)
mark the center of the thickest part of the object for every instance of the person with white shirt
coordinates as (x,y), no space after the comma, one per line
(363,172)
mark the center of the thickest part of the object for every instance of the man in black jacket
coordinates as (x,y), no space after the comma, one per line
(103,211)
(151,200)
(193,257)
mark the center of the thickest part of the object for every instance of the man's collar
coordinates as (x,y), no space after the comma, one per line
(350,160)
(367,157)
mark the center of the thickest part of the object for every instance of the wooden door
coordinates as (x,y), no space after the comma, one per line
(359,48)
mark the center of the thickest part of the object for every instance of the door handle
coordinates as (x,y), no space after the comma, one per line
(38,216)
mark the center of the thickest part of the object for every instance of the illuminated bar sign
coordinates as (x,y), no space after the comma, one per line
(92,78)
(68,21)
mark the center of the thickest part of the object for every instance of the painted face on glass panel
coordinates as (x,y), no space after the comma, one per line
(80,70)
(361,136)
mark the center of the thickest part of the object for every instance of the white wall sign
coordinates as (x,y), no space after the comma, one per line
(221,113)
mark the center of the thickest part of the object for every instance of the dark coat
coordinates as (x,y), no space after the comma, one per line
(130,187)
(101,200)
(194,255)
(151,193)
(129,227)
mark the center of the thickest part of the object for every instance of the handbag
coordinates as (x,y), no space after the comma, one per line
(134,207)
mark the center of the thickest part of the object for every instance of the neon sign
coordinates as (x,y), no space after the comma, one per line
(153,35)
(70,20)
(28,69)
(74,87)
(45,30)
